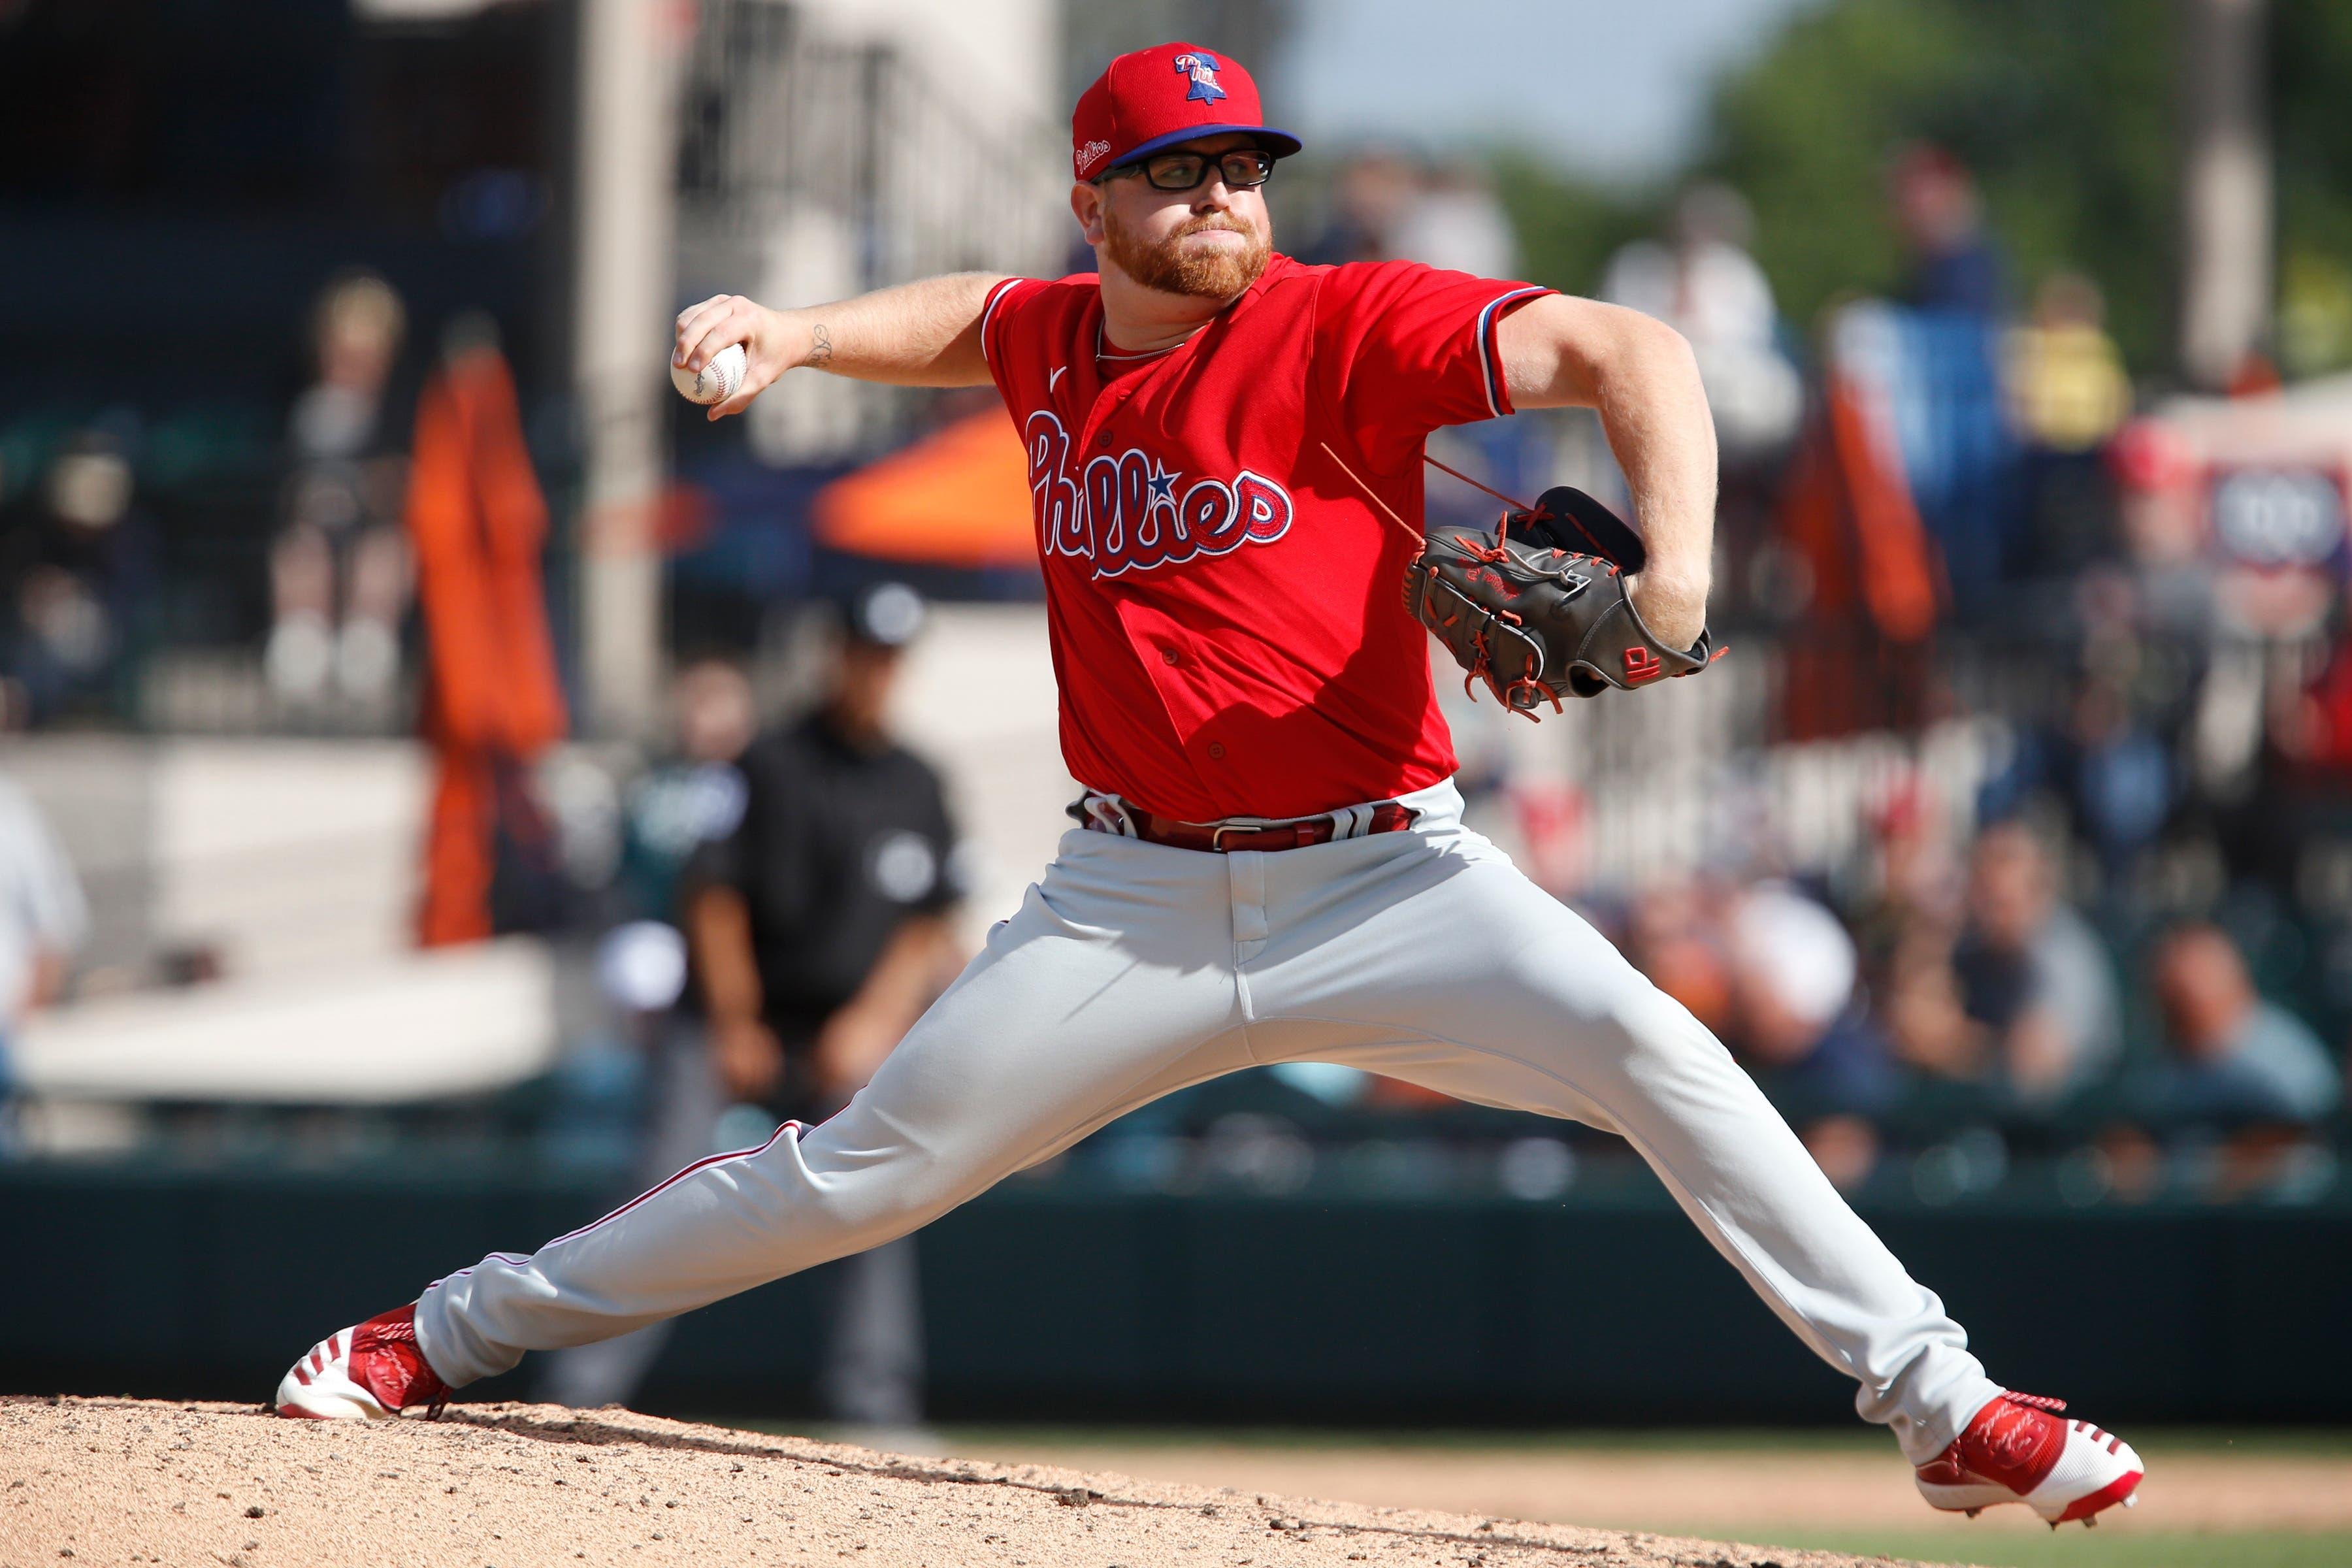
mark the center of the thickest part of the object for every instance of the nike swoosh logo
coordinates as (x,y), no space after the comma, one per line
(1055,377)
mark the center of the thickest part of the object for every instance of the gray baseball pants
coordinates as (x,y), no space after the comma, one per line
(1133,970)
(872,1316)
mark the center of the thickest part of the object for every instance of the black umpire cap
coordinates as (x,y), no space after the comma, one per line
(884,615)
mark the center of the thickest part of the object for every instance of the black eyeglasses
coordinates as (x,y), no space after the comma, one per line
(1243,169)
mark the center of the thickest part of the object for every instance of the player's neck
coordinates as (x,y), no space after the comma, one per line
(1137,320)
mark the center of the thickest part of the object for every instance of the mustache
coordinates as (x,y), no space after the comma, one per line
(1210,222)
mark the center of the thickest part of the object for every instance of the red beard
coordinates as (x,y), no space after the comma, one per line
(1215,275)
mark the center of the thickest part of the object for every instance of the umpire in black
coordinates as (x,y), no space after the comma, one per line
(819,929)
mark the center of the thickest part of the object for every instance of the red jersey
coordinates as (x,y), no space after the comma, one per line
(1224,605)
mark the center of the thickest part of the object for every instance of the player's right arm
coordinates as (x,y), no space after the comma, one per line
(925,334)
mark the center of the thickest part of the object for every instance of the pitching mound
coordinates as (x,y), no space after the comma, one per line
(525,1486)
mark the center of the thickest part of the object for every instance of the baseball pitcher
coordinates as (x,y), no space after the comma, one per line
(1224,448)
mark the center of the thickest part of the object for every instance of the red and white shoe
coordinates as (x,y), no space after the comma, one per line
(2019,1450)
(370,1372)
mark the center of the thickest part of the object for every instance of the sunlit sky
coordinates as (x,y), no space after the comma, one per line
(1611,89)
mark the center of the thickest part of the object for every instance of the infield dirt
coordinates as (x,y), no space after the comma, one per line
(520,1485)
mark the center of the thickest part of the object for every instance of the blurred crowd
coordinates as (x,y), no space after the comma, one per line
(77,570)
(1948,991)
(1952,504)
(86,589)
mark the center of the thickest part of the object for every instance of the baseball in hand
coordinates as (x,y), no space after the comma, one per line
(714,382)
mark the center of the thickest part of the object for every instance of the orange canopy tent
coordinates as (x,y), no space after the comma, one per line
(959,496)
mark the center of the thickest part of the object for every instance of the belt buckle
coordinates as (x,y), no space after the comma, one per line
(1296,826)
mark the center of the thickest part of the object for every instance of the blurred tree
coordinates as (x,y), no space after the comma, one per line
(2311,66)
(2063,107)
(2311,62)
(1568,229)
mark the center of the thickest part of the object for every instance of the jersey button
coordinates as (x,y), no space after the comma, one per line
(1216,751)
(1169,655)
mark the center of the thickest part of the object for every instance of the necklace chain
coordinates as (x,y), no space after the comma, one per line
(1102,347)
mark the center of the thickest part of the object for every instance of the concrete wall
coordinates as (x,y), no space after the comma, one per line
(294,864)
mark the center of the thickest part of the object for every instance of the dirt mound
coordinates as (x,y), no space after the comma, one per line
(1736,1482)
(522,1485)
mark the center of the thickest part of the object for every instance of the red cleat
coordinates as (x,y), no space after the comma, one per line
(2019,1450)
(372,1371)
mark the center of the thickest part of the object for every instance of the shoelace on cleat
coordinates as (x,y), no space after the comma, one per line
(2039,1401)
(403,1332)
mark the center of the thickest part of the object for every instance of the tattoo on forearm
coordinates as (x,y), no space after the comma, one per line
(821,350)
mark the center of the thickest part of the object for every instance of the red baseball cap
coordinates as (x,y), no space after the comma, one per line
(1158,97)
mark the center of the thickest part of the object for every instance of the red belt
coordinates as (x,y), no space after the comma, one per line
(1225,837)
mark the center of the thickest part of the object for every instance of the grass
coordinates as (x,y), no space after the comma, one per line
(2322,1442)
(2123,1542)
(2071,1547)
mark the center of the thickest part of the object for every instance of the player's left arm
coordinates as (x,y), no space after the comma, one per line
(1560,352)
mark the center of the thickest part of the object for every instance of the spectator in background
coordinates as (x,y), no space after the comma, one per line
(1937,375)
(1801,1031)
(2310,726)
(340,572)
(2236,1061)
(1388,208)
(1907,879)
(1674,935)
(1453,218)
(2067,393)
(2163,529)
(2067,389)
(2102,760)
(1939,217)
(1450,216)
(695,795)
(1368,199)
(820,929)
(2024,1003)
(79,575)
(1706,285)
(43,922)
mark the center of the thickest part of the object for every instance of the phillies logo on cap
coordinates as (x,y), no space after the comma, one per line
(1203,67)
(1129,113)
